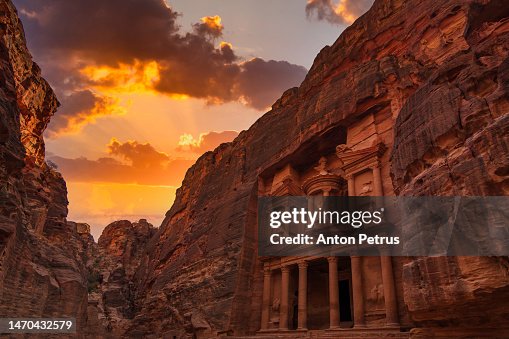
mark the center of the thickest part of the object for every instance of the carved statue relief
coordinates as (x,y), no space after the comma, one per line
(321,168)
(367,188)
(274,319)
(376,295)
(276,304)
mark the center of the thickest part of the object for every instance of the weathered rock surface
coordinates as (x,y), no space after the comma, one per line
(429,79)
(111,266)
(432,75)
(41,270)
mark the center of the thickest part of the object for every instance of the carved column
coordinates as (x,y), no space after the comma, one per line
(351,185)
(303,302)
(377,182)
(391,304)
(283,310)
(267,274)
(358,295)
(333,292)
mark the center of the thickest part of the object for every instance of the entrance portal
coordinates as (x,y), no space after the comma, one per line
(318,295)
(345,308)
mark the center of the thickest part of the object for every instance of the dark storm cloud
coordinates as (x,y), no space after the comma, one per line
(140,155)
(79,108)
(209,26)
(66,35)
(337,12)
(105,31)
(261,81)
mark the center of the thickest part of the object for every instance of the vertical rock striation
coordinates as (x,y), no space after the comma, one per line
(41,270)
(111,265)
(429,79)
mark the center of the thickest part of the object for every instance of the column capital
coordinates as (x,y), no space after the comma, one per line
(267,271)
(385,250)
(332,259)
(285,268)
(302,264)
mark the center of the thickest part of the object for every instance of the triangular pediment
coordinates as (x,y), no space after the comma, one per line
(287,187)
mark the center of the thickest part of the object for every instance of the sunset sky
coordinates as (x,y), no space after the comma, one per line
(147,86)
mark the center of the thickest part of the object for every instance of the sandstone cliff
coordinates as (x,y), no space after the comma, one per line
(111,265)
(427,78)
(430,79)
(41,269)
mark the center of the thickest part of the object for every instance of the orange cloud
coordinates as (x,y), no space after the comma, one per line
(139,77)
(342,12)
(140,48)
(225,44)
(205,142)
(139,155)
(81,108)
(209,25)
(130,162)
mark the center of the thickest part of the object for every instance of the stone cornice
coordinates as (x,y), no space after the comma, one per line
(353,162)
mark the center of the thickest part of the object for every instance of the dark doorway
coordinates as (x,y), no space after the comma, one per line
(295,311)
(345,311)
(318,295)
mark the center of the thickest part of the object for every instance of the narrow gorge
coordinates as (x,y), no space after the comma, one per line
(417,91)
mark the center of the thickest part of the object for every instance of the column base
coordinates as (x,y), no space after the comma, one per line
(392,325)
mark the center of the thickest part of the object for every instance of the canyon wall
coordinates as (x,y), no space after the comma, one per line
(428,78)
(41,266)
(111,266)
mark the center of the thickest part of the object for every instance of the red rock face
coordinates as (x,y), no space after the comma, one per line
(41,271)
(111,266)
(429,79)
(452,138)
(431,76)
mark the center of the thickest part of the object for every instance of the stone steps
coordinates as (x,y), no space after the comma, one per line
(328,334)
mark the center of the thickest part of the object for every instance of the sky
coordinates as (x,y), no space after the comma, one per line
(147,86)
